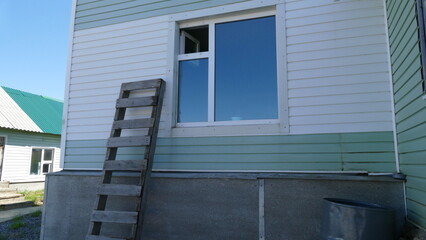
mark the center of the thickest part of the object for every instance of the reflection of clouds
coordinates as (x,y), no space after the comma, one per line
(195,63)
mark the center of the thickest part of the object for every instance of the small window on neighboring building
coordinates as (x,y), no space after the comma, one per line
(421,14)
(41,161)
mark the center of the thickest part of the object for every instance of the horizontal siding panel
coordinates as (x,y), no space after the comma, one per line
(126,15)
(120,61)
(343,108)
(414,170)
(413,146)
(342,128)
(413,158)
(339,80)
(335,17)
(255,149)
(338,34)
(340,99)
(90,4)
(338,43)
(411,110)
(336,62)
(373,166)
(142,33)
(270,151)
(416,183)
(368,158)
(337,25)
(417,195)
(249,166)
(337,52)
(371,87)
(416,92)
(251,158)
(145,65)
(120,46)
(128,76)
(338,71)
(341,118)
(417,209)
(301,9)
(111,56)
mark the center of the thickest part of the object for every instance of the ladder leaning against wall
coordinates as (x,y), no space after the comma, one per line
(104,218)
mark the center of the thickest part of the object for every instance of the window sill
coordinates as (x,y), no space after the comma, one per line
(231,130)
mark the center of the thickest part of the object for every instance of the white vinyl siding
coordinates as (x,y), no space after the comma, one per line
(338,76)
(338,79)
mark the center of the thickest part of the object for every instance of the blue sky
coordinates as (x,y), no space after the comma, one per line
(34,45)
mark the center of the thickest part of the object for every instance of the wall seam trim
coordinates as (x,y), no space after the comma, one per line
(261,209)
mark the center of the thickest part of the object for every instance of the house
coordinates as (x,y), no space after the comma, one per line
(30,136)
(270,106)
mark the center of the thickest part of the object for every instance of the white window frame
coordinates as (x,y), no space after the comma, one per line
(254,9)
(42,161)
(4,156)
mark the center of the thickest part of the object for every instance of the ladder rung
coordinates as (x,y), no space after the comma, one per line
(128,141)
(120,190)
(114,216)
(141,85)
(133,123)
(136,102)
(95,237)
(125,165)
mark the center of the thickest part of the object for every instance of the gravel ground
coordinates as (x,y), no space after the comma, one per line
(25,228)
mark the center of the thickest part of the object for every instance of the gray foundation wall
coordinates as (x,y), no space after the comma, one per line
(218,205)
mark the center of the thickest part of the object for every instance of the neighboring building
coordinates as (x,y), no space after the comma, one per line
(298,99)
(30,136)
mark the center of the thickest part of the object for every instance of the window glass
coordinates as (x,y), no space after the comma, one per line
(195,39)
(48,154)
(245,70)
(35,161)
(192,102)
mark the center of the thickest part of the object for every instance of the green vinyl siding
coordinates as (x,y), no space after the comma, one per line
(95,13)
(410,108)
(315,152)
(30,139)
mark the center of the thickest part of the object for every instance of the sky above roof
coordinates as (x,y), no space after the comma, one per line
(34,45)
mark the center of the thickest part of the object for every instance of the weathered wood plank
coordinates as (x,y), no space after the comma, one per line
(141,85)
(114,217)
(120,190)
(125,165)
(128,141)
(95,237)
(136,102)
(133,123)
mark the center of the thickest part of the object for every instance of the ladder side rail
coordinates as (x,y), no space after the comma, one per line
(149,155)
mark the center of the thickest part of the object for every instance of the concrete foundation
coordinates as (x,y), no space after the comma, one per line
(218,205)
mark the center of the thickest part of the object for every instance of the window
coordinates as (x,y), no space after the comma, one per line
(421,14)
(41,161)
(228,72)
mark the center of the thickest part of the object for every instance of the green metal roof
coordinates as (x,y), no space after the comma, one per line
(45,112)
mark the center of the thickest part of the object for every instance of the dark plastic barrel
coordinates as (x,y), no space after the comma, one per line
(355,220)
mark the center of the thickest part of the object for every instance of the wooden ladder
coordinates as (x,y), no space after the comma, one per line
(107,187)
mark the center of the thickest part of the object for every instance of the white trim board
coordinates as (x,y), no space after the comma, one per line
(67,85)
